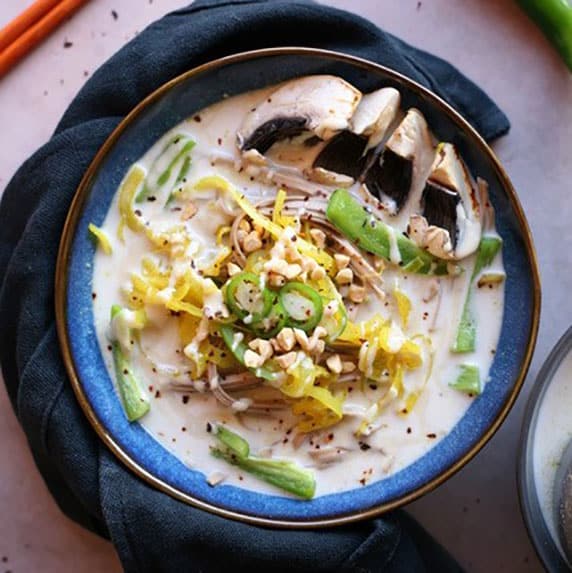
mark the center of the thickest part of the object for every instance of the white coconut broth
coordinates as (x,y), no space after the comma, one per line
(178,420)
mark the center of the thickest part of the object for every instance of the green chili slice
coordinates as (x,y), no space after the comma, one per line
(303,305)
(247,299)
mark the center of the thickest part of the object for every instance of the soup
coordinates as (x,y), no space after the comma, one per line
(298,290)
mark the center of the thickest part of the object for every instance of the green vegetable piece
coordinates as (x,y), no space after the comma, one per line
(134,400)
(303,305)
(233,441)
(133,397)
(468,380)
(245,297)
(372,235)
(273,323)
(158,175)
(239,348)
(554,18)
(465,339)
(185,168)
(283,474)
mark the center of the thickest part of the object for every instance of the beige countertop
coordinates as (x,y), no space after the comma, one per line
(476,513)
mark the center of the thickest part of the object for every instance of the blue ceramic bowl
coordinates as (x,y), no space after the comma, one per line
(164,109)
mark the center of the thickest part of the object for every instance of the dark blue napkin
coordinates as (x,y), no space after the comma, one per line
(151,531)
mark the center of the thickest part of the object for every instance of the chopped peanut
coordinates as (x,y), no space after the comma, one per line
(301,338)
(319,238)
(342,261)
(334,363)
(241,235)
(348,367)
(286,360)
(259,230)
(356,293)
(292,255)
(189,211)
(278,266)
(345,277)
(286,339)
(232,269)
(263,347)
(318,273)
(308,264)
(276,280)
(253,359)
(319,347)
(319,332)
(245,226)
(292,271)
(251,242)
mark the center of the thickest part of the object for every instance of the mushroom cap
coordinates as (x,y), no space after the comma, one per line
(320,104)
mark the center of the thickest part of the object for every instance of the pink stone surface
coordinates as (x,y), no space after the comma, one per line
(476,513)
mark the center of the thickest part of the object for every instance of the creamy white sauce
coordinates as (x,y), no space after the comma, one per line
(552,434)
(178,421)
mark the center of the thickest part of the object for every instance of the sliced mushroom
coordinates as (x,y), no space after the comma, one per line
(343,156)
(398,175)
(375,114)
(322,105)
(449,225)
(346,153)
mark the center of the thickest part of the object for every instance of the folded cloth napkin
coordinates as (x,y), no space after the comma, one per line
(151,531)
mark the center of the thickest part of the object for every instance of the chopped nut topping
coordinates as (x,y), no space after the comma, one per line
(356,293)
(245,226)
(319,347)
(292,255)
(348,367)
(342,261)
(301,338)
(253,359)
(232,269)
(345,277)
(292,271)
(319,237)
(286,339)
(334,363)
(251,242)
(276,280)
(189,211)
(263,347)
(278,266)
(286,360)
(318,273)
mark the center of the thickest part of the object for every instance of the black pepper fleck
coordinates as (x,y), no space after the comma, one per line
(364,447)
(68,44)
(114,14)
(432,436)
(209,427)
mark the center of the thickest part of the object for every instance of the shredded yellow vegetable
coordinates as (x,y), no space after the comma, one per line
(102,238)
(277,216)
(127,191)
(403,306)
